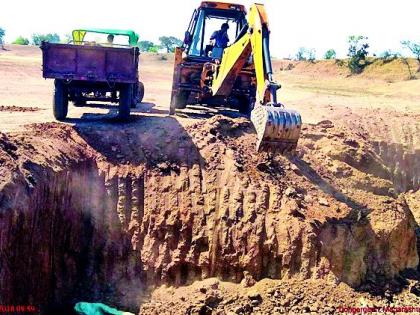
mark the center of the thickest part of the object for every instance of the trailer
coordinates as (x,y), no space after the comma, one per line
(86,71)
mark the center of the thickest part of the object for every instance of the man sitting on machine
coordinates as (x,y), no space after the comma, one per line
(218,41)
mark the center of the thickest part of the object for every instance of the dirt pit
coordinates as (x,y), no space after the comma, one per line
(108,212)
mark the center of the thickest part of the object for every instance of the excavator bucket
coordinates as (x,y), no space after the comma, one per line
(278,129)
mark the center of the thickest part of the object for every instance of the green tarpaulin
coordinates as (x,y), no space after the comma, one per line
(84,308)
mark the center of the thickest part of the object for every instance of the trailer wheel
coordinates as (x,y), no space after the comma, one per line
(138,94)
(178,101)
(141,91)
(60,100)
(126,99)
(245,105)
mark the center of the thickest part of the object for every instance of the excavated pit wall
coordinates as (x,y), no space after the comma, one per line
(102,230)
(63,243)
(403,164)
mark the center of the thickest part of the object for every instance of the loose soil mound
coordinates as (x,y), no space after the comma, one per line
(213,296)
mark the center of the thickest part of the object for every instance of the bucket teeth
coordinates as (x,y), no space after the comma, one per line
(278,129)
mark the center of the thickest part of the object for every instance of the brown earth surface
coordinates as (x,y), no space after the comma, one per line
(179,215)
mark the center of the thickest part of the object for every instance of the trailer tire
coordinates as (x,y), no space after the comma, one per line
(141,92)
(245,105)
(126,99)
(60,100)
(178,101)
(138,94)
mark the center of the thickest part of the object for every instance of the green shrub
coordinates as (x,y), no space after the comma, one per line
(330,54)
(154,49)
(21,41)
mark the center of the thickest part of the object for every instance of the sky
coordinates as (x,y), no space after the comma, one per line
(318,24)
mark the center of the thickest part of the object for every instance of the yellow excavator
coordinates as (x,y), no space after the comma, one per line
(239,75)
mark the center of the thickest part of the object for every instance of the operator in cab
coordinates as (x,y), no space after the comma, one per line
(220,38)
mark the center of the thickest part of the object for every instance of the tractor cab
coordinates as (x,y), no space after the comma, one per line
(97,36)
(207,19)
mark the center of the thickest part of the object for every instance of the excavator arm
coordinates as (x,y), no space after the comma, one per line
(278,129)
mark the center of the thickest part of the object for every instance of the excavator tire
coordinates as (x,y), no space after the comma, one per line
(245,105)
(178,101)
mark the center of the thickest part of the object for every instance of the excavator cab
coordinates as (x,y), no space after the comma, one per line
(195,61)
(204,22)
(238,76)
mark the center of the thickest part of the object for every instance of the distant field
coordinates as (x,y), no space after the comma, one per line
(319,90)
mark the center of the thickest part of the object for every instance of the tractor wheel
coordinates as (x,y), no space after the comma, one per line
(60,100)
(126,99)
(178,101)
(245,105)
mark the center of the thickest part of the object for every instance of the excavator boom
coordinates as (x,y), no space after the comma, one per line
(278,129)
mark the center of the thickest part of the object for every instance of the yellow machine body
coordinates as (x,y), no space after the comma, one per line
(241,77)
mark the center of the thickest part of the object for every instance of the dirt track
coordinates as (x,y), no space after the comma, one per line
(192,200)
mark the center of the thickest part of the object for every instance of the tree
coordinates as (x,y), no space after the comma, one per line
(21,41)
(145,45)
(311,54)
(305,54)
(414,48)
(67,38)
(388,56)
(300,55)
(170,43)
(38,38)
(330,54)
(2,33)
(358,51)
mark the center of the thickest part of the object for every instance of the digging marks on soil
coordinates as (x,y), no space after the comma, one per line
(176,205)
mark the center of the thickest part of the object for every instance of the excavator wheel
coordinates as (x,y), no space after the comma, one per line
(178,101)
(245,105)
(278,129)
